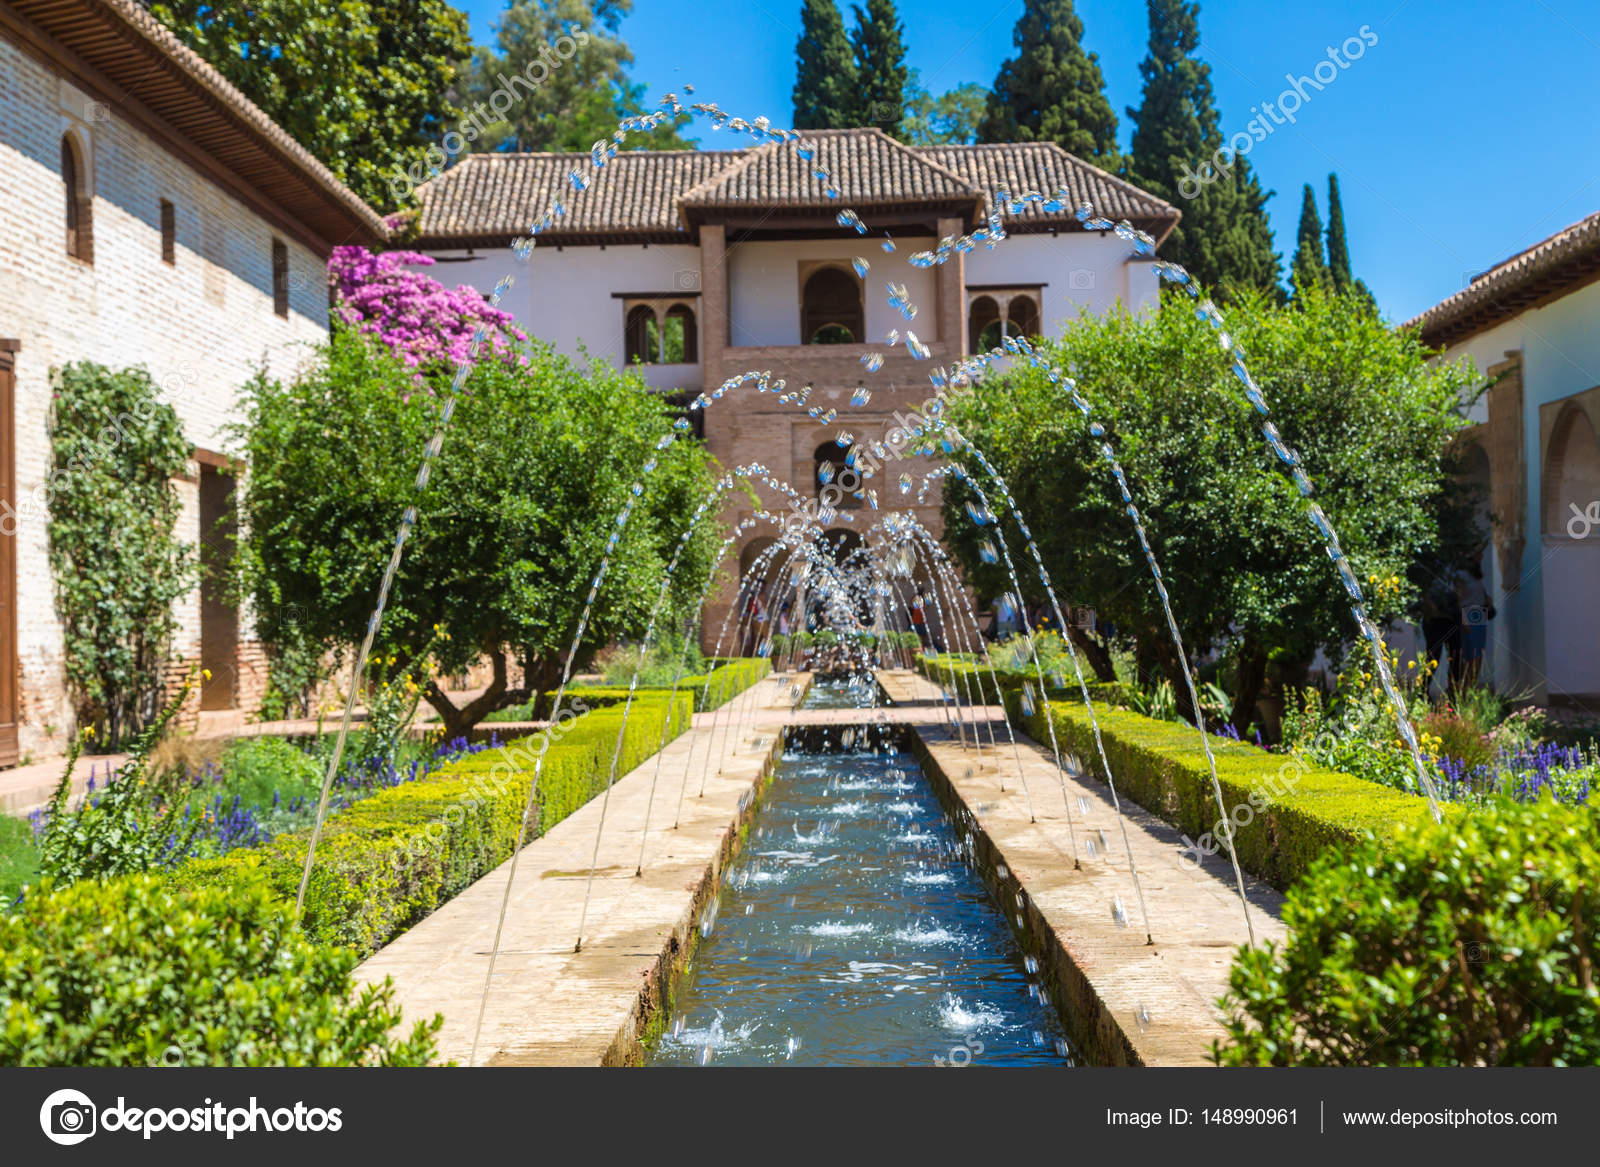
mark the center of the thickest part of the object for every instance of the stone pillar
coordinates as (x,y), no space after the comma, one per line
(952,297)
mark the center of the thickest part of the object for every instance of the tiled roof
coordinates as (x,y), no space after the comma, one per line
(1018,167)
(1566,261)
(659,195)
(494,196)
(866,166)
(137,64)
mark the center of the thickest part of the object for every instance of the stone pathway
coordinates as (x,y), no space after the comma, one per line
(1144,1003)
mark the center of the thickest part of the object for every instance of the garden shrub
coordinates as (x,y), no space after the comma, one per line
(391,859)
(1466,944)
(137,972)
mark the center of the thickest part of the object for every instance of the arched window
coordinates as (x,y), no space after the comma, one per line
(641,341)
(752,551)
(831,309)
(1022,317)
(1572,477)
(679,342)
(983,325)
(842,542)
(80,207)
(833,467)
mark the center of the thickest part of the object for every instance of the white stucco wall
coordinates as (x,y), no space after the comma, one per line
(564,294)
(201,326)
(764,287)
(1081,273)
(1548,633)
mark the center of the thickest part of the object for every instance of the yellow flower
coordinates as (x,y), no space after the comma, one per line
(205,674)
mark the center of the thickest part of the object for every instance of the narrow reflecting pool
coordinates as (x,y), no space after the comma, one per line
(852,931)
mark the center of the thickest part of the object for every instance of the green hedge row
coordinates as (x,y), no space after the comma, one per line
(725,683)
(389,860)
(136,972)
(1111,692)
(1285,811)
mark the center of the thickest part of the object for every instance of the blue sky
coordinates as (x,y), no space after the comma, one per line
(1465,134)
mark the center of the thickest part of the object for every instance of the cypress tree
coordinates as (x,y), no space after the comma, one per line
(1310,269)
(1224,239)
(1338,247)
(880,66)
(825,84)
(1052,91)
(1343,280)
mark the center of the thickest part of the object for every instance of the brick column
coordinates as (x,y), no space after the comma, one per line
(713,304)
(721,430)
(952,297)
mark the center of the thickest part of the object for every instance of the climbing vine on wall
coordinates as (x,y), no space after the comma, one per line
(117,563)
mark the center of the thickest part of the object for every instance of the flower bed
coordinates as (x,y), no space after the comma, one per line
(389,860)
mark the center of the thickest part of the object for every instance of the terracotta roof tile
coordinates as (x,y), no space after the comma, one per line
(648,194)
(1552,267)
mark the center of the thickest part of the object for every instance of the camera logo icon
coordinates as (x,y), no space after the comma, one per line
(1081,279)
(67,1117)
(686,280)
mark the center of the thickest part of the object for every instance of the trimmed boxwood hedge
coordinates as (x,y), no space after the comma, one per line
(389,860)
(137,972)
(725,683)
(1287,811)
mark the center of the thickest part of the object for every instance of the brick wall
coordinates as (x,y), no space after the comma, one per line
(201,326)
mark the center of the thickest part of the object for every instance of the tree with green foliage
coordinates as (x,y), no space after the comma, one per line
(538,462)
(1344,281)
(1052,90)
(1309,272)
(362,84)
(1224,239)
(1245,569)
(117,563)
(880,52)
(951,119)
(557,80)
(825,85)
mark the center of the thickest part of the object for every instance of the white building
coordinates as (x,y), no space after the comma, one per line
(704,265)
(1532,325)
(152,216)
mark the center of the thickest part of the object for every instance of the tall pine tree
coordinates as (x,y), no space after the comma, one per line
(1338,247)
(1224,238)
(1052,91)
(826,88)
(1310,269)
(1343,280)
(880,66)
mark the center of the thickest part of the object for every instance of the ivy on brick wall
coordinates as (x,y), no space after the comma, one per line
(117,562)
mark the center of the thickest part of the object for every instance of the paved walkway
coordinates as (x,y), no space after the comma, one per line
(1141,1003)
(549,1004)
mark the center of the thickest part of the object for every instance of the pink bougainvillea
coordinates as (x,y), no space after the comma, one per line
(427,324)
